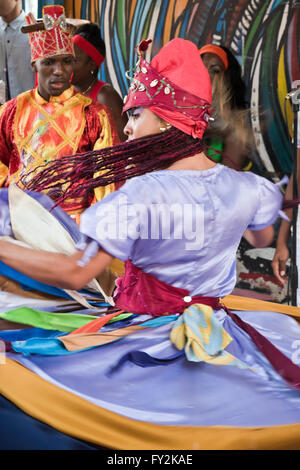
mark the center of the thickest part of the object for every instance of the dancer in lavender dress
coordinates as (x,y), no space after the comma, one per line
(188,369)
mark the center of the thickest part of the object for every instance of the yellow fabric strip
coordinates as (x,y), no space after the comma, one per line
(105,140)
(73,415)
(3,168)
(202,337)
(117,267)
(248,166)
(3,174)
(235,302)
(2,108)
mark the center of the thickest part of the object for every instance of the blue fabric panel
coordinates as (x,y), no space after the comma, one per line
(19,431)
(27,333)
(35,285)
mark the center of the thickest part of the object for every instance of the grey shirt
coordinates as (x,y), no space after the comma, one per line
(14,47)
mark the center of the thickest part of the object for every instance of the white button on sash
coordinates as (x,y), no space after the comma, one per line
(187,298)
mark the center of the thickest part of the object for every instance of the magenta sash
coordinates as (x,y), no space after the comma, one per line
(142,293)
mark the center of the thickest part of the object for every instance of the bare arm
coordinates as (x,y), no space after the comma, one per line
(260,238)
(282,254)
(56,269)
(109,97)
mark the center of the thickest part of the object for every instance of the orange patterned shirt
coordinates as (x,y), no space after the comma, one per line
(35,131)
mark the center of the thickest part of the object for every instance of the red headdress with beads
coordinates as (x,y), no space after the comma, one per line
(50,37)
(175,86)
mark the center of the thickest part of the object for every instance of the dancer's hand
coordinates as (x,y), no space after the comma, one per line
(279,263)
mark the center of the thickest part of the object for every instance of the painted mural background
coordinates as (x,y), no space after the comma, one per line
(264,36)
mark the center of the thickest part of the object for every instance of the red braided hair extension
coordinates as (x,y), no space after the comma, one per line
(76,173)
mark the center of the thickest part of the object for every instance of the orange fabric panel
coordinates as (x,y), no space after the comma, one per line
(75,416)
(235,302)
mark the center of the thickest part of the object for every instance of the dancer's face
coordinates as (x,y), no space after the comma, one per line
(142,122)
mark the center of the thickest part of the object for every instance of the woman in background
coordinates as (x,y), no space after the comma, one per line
(89,55)
(229,104)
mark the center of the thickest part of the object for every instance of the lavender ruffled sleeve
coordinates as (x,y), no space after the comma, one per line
(269,206)
(112,224)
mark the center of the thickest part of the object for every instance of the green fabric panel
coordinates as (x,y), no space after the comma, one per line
(216,144)
(52,321)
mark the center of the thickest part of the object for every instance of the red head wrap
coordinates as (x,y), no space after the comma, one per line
(213,49)
(175,86)
(52,36)
(88,48)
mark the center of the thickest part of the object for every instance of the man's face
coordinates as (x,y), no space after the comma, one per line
(7,7)
(54,74)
